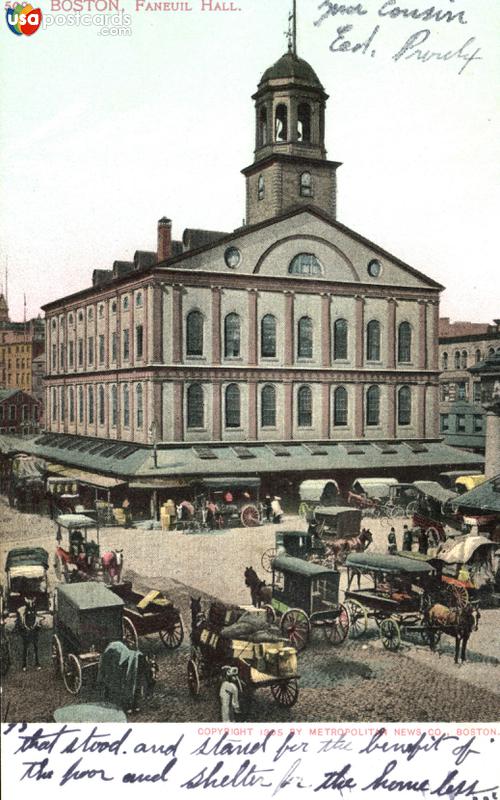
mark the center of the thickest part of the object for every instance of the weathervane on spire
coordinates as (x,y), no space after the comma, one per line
(291,33)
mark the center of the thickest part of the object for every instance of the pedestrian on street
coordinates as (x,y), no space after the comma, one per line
(392,545)
(268,508)
(423,542)
(277,511)
(407,538)
(229,694)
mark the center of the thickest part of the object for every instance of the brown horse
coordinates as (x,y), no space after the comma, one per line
(260,592)
(340,548)
(456,622)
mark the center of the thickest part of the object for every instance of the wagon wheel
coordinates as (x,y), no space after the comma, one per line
(193,677)
(270,614)
(411,508)
(304,510)
(358,618)
(172,634)
(338,628)
(425,635)
(267,558)
(57,655)
(72,674)
(129,634)
(395,511)
(390,634)
(454,596)
(250,516)
(434,533)
(296,627)
(286,693)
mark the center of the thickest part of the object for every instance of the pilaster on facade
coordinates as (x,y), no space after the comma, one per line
(422,334)
(288,411)
(252,411)
(156,322)
(289,330)
(216,325)
(421,397)
(360,330)
(325,411)
(391,333)
(252,327)
(391,411)
(359,402)
(177,322)
(326,329)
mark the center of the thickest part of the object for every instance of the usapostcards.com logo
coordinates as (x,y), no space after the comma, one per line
(22,18)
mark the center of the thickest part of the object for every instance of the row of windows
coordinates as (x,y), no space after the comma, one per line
(305,186)
(305,338)
(460,358)
(101,349)
(71,402)
(8,413)
(100,310)
(460,391)
(461,424)
(232,406)
(281,127)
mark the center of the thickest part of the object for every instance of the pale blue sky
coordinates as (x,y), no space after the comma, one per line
(102,136)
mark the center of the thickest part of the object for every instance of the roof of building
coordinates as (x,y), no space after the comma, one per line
(484,498)
(193,238)
(291,66)
(6,393)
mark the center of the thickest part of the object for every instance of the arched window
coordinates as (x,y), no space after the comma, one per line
(305,338)
(491,352)
(261,188)
(304,407)
(478,356)
(71,403)
(305,264)
(340,331)
(444,362)
(139,407)
(126,406)
(463,360)
(195,406)
(262,127)
(101,405)
(80,405)
(90,405)
(305,186)
(404,343)
(101,311)
(125,303)
(232,336)
(281,123)
(340,407)
(233,415)
(373,406)
(457,359)
(138,299)
(404,406)
(114,406)
(373,341)
(268,336)
(304,122)
(194,333)
(268,407)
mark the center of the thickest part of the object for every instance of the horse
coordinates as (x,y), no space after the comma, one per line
(28,627)
(112,565)
(340,548)
(260,592)
(456,622)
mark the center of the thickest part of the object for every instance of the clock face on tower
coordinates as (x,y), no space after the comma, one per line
(232,257)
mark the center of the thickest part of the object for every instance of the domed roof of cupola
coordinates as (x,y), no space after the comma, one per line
(291,66)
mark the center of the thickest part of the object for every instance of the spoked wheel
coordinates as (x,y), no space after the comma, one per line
(173,633)
(296,627)
(425,635)
(72,674)
(250,516)
(270,614)
(338,628)
(193,677)
(286,693)
(411,508)
(129,633)
(454,596)
(267,558)
(358,618)
(390,634)
(304,510)
(57,655)
(395,511)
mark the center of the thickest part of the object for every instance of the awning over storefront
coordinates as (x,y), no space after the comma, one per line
(159,483)
(82,476)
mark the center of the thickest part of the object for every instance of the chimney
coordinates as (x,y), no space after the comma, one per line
(164,238)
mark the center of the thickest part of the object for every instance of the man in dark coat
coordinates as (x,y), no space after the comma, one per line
(392,545)
(423,542)
(407,538)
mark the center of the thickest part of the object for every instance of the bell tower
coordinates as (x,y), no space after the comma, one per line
(290,167)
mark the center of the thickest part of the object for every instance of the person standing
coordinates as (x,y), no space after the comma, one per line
(277,511)
(407,538)
(392,545)
(229,694)
(423,542)
(268,508)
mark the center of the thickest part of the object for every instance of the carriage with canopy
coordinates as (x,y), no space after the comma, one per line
(305,597)
(87,641)
(81,560)
(235,502)
(26,570)
(318,492)
(434,512)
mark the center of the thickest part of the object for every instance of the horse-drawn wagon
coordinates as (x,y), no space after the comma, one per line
(223,503)
(300,544)
(26,571)
(81,560)
(148,614)
(434,512)
(305,596)
(317,492)
(262,660)
(87,643)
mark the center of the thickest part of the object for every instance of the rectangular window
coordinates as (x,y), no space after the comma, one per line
(12,413)
(80,352)
(126,345)
(114,346)
(478,423)
(477,392)
(54,356)
(139,341)
(462,391)
(61,361)
(54,405)
(445,423)
(71,354)
(101,348)
(24,413)
(90,351)
(460,423)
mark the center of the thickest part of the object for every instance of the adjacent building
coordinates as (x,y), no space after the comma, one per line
(19,412)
